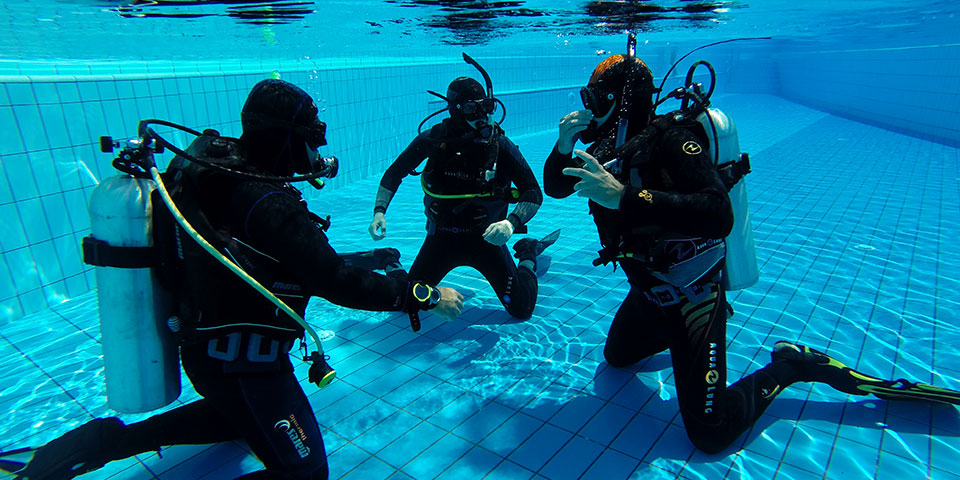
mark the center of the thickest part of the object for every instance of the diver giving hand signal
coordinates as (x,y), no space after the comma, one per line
(596,183)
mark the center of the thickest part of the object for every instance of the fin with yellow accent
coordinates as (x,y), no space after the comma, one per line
(14,461)
(816,366)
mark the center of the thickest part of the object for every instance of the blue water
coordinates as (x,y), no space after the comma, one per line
(846,265)
(849,115)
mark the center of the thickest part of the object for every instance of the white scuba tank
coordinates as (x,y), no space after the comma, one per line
(141,363)
(740,270)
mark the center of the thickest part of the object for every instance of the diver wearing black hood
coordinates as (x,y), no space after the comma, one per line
(468,185)
(235,343)
(659,202)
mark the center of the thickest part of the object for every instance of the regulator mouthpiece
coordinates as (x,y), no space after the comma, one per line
(320,373)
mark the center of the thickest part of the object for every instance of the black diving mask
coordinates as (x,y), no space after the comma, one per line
(478,108)
(595,100)
(314,133)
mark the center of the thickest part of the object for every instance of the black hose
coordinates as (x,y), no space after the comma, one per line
(665,77)
(146,132)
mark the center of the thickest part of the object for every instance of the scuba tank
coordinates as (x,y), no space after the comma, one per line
(740,270)
(723,146)
(140,356)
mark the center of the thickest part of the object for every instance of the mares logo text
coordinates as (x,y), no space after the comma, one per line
(295,434)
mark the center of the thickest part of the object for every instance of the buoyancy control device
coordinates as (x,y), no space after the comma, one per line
(138,318)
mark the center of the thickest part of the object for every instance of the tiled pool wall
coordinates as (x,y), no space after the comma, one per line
(51,115)
(913,90)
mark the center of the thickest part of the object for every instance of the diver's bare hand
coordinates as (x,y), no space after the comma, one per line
(378,227)
(596,183)
(451,303)
(571,126)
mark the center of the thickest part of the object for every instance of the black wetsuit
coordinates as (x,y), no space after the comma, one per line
(674,203)
(455,226)
(236,343)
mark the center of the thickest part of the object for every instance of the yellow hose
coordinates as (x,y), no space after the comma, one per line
(229,264)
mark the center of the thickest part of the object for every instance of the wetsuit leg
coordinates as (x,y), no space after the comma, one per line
(714,414)
(516,288)
(436,258)
(268,410)
(637,332)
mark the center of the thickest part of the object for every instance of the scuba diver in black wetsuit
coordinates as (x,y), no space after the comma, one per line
(234,341)
(467,184)
(662,212)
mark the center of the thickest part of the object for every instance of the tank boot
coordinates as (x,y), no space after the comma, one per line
(78,451)
(816,366)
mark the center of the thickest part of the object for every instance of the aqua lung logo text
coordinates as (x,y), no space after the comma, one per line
(295,433)
(711,378)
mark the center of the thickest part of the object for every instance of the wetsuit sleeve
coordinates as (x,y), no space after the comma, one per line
(696,205)
(279,225)
(408,160)
(531,197)
(555,183)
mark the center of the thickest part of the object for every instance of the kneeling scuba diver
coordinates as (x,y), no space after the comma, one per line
(231,238)
(471,205)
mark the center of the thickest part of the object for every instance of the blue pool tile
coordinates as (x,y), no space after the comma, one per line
(440,456)
(611,465)
(573,459)
(457,411)
(508,470)
(508,436)
(410,445)
(537,450)
(348,405)
(371,468)
(809,449)
(945,451)
(6,196)
(639,436)
(20,177)
(576,413)
(34,223)
(10,139)
(412,390)
(474,464)
(48,266)
(852,460)
(387,431)
(433,401)
(361,421)
(12,235)
(607,423)
(23,269)
(894,467)
(484,421)
(346,459)
(20,93)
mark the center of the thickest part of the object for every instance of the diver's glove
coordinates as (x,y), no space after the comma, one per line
(446,302)
(498,233)
(378,227)
(571,126)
